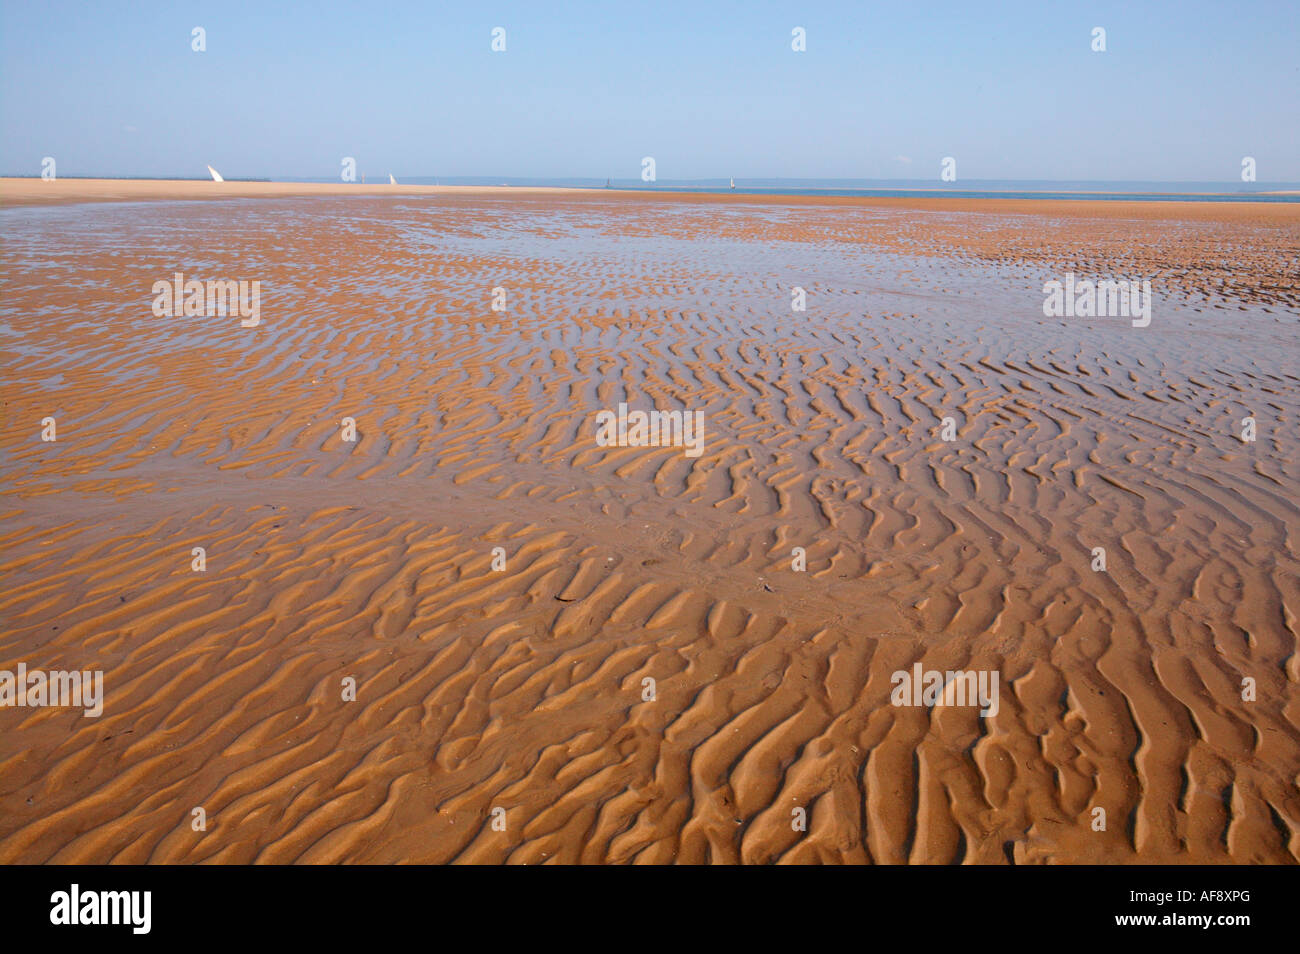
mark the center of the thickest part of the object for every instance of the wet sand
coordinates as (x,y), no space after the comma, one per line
(523,689)
(14,191)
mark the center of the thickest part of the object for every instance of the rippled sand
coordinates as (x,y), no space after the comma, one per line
(523,689)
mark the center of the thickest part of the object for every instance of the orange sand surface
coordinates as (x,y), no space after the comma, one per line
(524,689)
(32,191)
(14,191)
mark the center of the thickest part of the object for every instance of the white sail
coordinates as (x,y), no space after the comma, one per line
(216,176)
(391,180)
(733,182)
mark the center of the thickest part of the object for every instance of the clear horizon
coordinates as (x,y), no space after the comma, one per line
(754,182)
(1182,92)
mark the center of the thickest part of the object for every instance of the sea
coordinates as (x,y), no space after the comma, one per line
(906,188)
(1086,189)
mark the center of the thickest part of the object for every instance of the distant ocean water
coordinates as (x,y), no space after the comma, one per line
(1086,189)
(906,188)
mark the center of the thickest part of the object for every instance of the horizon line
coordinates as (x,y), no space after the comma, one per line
(637,182)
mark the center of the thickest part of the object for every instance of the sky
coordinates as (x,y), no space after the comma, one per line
(1183,91)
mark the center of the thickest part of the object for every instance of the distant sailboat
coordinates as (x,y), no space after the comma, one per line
(391,180)
(216,176)
(606,183)
(733,182)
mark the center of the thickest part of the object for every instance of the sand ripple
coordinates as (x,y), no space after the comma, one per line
(522,689)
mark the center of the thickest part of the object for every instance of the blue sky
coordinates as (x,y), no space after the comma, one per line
(1011,90)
